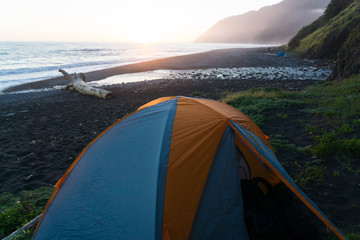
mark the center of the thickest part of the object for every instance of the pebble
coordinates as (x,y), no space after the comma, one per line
(28,177)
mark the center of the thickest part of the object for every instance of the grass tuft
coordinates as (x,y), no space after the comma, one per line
(339,100)
(311,175)
(330,142)
(16,211)
(196,94)
(257,101)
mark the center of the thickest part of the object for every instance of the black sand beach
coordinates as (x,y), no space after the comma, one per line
(42,132)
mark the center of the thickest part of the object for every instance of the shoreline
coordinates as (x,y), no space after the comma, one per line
(182,62)
(43,132)
(222,58)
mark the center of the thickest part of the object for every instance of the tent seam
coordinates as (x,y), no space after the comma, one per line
(160,215)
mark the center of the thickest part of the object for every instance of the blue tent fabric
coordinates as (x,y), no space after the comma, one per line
(221,213)
(108,197)
(281,54)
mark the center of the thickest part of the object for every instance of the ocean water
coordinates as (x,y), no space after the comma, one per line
(23,62)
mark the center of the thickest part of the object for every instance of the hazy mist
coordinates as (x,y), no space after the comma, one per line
(273,24)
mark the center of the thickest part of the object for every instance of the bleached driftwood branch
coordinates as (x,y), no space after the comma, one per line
(29,225)
(77,83)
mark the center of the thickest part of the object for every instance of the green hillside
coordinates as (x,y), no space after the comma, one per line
(335,35)
(331,11)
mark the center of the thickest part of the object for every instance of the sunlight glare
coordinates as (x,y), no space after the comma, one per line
(111,20)
(145,36)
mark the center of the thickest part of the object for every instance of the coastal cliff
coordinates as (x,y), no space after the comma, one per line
(335,35)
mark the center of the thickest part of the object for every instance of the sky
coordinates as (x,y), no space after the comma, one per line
(144,21)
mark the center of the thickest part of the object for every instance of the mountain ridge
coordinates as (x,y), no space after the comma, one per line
(266,25)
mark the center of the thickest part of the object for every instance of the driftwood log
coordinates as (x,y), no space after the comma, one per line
(33,223)
(77,83)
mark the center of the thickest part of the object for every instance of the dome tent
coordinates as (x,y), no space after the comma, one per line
(170,170)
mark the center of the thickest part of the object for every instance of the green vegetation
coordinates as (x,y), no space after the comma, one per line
(339,104)
(353,236)
(16,211)
(26,235)
(337,173)
(311,175)
(339,100)
(357,122)
(325,37)
(196,94)
(279,145)
(257,101)
(282,115)
(312,129)
(334,142)
(334,7)
(316,43)
(335,35)
(349,55)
